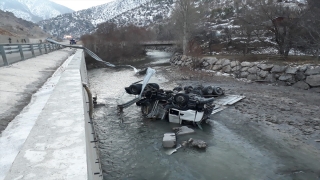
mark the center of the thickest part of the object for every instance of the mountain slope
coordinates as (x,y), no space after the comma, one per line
(33,10)
(10,25)
(84,21)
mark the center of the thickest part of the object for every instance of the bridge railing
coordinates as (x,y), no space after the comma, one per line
(6,49)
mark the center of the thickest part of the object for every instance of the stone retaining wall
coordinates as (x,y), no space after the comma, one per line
(302,76)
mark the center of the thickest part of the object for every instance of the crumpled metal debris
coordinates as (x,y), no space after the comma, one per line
(171,151)
(197,143)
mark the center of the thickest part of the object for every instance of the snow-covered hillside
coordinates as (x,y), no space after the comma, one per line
(85,21)
(33,10)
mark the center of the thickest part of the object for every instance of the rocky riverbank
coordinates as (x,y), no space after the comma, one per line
(300,76)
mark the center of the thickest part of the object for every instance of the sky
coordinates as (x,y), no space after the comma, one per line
(80,4)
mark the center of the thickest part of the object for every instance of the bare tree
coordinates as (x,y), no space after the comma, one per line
(185,15)
(277,19)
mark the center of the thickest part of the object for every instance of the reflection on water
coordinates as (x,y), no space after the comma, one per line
(131,146)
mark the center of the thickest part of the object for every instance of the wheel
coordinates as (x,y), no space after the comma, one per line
(154,86)
(135,88)
(207,90)
(217,91)
(188,89)
(178,89)
(181,99)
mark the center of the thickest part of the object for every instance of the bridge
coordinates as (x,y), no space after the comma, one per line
(159,43)
(52,136)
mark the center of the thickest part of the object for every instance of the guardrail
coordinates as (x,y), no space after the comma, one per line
(20,48)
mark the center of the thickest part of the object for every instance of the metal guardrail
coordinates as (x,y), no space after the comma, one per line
(21,48)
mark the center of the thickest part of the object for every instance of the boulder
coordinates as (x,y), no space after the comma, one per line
(253,70)
(300,76)
(234,64)
(226,69)
(270,78)
(278,69)
(312,71)
(244,69)
(286,77)
(291,70)
(226,63)
(252,77)
(262,73)
(216,67)
(179,62)
(313,80)
(265,67)
(244,74)
(236,69)
(301,85)
(205,64)
(220,61)
(184,58)
(212,60)
(246,64)
(303,68)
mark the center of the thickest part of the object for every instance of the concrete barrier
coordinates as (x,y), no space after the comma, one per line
(62,143)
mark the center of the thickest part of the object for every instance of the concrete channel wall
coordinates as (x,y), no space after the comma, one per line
(62,143)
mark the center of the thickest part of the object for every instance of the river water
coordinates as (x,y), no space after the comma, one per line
(131,146)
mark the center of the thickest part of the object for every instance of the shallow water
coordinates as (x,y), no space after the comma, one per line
(131,146)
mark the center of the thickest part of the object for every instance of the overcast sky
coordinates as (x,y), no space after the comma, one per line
(80,4)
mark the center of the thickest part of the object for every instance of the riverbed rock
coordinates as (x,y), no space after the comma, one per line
(285,77)
(300,76)
(236,69)
(252,77)
(291,70)
(244,74)
(216,67)
(205,64)
(303,68)
(253,70)
(265,67)
(262,73)
(234,64)
(212,60)
(246,64)
(226,62)
(312,71)
(301,85)
(270,78)
(244,69)
(226,69)
(313,80)
(278,69)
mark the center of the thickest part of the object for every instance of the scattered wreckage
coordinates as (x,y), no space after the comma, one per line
(181,105)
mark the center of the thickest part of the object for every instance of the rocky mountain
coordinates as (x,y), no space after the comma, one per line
(85,21)
(34,10)
(10,25)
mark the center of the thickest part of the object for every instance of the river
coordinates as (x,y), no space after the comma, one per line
(131,146)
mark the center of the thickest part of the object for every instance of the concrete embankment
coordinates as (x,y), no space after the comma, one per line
(61,143)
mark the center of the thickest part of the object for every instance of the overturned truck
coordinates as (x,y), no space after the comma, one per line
(189,104)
